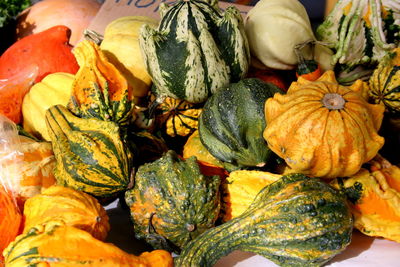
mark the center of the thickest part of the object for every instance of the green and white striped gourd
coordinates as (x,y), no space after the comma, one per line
(195,50)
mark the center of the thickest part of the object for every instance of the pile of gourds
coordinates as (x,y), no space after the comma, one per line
(208,154)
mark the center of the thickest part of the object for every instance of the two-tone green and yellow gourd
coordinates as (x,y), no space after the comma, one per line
(195,50)
(172,203)
(295,221)
(90,154)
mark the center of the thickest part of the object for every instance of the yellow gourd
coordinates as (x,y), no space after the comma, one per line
(54,89)
(121,46)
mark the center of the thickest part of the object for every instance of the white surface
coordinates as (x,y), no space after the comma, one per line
(364,251)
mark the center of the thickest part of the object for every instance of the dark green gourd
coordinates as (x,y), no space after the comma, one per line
(232,122)
(196,49)
(172,202)
(295,221)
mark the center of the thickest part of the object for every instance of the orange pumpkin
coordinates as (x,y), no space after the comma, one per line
(323,129)
(74,208)
(10,220)
(374,196)
(75,14)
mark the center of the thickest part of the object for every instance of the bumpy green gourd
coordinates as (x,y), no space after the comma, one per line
(295,221)
(196,49)
(172,202)
(90,154)
(232,122)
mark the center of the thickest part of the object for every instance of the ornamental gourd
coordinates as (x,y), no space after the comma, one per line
(374,196)
(74,208)
(295,221)
(90,153)
(121,46)
(385,82)
(99,89)
(54,89)
(232,122)
(10,220)
(57,244)
(323,129)
(172,202)
(196,49)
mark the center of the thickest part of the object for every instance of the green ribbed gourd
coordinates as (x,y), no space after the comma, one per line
(90,154)
(195,50)
(172,203)
(232,122)
(295,221)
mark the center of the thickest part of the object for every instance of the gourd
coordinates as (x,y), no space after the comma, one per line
(99,89)
(195,50)
(179,116)
(172,202)
(295,221)
(57,244)
(90,153)
(385,81)
(240,189)
(121,46)
(74,208)
(323,129)
(75,14)
(10,220)
(374,196)
(274,28)
(54,89)
(150,147)
(232,123)
(49,50)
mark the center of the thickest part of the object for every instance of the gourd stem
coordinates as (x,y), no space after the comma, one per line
(333,101)
(93,36)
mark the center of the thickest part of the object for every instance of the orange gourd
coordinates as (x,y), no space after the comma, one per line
(374,196)
(323,129)
(48,50)
(75,14)
(55,244)
(10,220)
(74,208)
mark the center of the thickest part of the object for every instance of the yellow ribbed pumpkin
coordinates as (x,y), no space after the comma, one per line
(74,208)
(121,46)
(323,129)
(54,89)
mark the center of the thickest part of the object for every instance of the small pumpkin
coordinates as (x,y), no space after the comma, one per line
(240,189)
(10,220)
(44,14)
(90,153)
(99,89)
(232,123)
(74,208)
(121,46)
(323,129)
(385,82)
(295,221)
(374,196)
(57,244)
(179,116)
(172,202)
(49,50)
(54,89)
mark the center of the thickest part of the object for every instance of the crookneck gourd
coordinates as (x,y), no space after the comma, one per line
(56,244)
(99,89)
(195,50)
(172,202)
(323,129)
(90,154)
(232,122)
(385,82)
(374,195)
(295,221)
(74,208)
